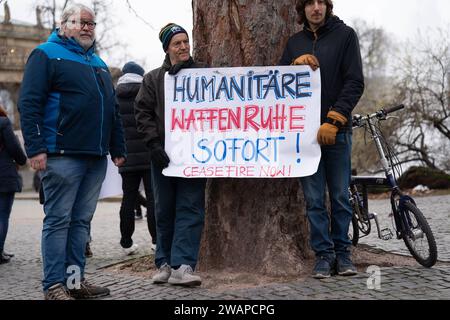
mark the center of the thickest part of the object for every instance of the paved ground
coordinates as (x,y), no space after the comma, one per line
(20,279)
(437,212)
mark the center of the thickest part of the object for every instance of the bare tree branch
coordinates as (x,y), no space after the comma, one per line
(138,16)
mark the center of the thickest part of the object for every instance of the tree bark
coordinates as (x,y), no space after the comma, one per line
(251,225)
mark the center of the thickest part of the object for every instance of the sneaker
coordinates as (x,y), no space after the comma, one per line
(88,252)
(184,276)
(344,266)
(8,254)
(138,216)
(323,267)
(163,274)
(89,291)
(58,292)
(4,258)
(131,250)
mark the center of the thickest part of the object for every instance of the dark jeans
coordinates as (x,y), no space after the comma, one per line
(130,187)
(6,202)
(71,187)
(330,237)
(180,215)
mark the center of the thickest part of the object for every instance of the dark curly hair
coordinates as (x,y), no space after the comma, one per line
(300,7)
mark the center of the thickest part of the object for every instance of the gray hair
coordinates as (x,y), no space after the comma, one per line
(73,9)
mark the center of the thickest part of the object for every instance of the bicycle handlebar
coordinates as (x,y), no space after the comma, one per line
(358,120)
(393,109)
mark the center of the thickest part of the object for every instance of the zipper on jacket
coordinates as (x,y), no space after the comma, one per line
(314,44)
(103,108)
(38,130)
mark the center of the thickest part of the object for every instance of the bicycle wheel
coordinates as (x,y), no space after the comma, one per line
(360,226)
(419,239)
(353,232)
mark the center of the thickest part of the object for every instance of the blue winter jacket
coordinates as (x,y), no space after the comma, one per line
(67,102)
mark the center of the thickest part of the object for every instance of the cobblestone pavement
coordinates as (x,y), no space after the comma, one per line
(20,279)
(435,209)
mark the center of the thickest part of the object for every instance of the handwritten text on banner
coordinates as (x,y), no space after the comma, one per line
(255,122)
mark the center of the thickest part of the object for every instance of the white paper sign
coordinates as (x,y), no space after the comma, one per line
(112,185)
(254,122)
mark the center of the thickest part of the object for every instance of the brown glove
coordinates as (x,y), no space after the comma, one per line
(307,59)
(327,132)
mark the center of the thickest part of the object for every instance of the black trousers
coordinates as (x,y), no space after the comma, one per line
(130,188)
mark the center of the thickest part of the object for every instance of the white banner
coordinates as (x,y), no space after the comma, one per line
(254,122)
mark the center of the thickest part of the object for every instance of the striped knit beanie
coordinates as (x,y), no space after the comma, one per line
(167,32)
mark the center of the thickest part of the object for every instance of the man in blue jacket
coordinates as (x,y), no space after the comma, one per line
(70,121)
(326,42)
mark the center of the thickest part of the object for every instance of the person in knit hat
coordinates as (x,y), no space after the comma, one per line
(168,31)
(133,67)
(179,202)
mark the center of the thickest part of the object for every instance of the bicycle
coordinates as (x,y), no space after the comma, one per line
(409,222)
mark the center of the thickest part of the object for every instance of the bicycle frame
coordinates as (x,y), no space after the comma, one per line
(410,223)
(389,179)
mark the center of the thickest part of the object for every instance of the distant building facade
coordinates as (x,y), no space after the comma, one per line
(17,40)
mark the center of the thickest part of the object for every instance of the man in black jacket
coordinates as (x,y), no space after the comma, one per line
(179,202)
(327,43)
(137,167)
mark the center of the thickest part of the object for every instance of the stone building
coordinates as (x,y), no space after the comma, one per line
(17,40)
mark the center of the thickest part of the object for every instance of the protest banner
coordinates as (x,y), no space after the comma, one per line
(249,122)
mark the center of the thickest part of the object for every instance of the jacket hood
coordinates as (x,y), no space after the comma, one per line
(332,23)
(128,85)
(70,43)
(130,78)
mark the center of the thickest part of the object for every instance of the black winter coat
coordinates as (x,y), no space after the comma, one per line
(138,157)
(11,154)
(338,52)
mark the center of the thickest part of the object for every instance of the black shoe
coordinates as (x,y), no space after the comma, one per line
(89,291)
(344,265)
(88,252)
(4,258)
(324,267)
(138,217)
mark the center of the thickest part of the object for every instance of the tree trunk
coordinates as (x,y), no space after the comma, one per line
(251,225)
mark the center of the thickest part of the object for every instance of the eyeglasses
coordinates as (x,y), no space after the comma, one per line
(81,24)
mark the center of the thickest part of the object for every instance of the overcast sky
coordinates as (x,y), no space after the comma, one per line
(401,18)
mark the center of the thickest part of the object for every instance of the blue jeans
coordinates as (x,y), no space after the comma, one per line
(6,202)
(180,216)
(71,187)
(330,237)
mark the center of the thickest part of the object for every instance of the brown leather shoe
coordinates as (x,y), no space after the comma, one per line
(89,291)
(58,292)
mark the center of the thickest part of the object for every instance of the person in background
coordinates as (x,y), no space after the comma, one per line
(138,166)
(70,122)
(327,44)
(11,156)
